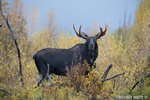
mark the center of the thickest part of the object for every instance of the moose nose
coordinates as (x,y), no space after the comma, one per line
(91,44)
(91,47)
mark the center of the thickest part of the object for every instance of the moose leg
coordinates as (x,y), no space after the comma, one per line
(45,78)
(39,80)
(50,80)
(49,75)
(42,78)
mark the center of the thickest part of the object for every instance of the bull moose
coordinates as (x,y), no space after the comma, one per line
(54,60)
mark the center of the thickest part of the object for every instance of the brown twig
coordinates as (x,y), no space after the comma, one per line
(106,72)
(18,50)
(114,83)
(141,80)
(113,77)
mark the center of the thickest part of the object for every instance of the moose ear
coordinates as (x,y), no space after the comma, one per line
(97,34)
(84,35)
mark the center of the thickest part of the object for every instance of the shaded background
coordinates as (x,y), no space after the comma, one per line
(85,12)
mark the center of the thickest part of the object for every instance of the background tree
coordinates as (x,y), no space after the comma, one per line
(8,51)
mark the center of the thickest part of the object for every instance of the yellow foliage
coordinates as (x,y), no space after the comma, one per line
(129,56)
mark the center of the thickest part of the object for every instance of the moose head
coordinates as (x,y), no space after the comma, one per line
(91,47)
(90,40)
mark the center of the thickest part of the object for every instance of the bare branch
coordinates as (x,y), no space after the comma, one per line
(114,83)
(113,77)
(141,80)
(106,72)
(6,21)
(18,50)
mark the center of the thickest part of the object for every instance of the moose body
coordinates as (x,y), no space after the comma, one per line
(58,59)
(53,60)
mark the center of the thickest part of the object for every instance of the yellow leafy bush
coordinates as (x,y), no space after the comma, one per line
(130,54)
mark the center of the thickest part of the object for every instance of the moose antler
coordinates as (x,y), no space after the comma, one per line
(79,34)
(102,33)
